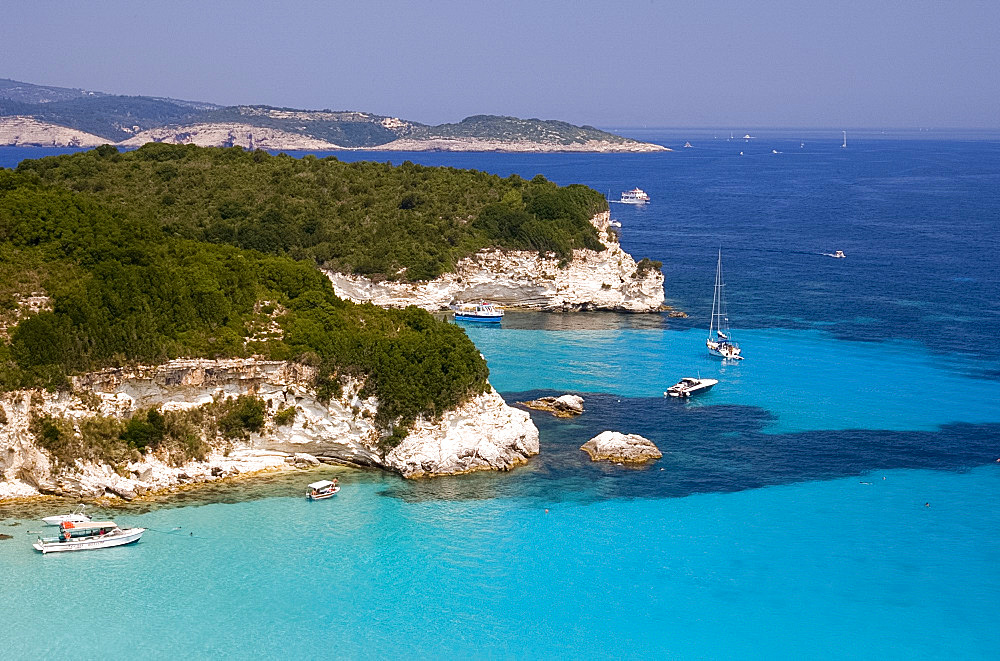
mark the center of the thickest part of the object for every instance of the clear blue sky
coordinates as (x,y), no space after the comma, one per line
(647,63)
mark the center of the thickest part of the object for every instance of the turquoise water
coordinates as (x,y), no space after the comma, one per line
(846,568)
(807,379)
(787,518)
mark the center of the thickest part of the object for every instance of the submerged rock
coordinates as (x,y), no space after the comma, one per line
(564,406)
(626,448)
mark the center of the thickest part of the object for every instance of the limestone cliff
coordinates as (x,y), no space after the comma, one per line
(483,434)
(229,134)
(20,131)
(605,280)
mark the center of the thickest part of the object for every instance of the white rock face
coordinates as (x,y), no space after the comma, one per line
(625,448)
(606,280)
(482,144)
(483,434)
(20,131)
(228,135)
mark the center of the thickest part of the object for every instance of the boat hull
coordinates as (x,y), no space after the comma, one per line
(130,536)
(323,496)
(491,319)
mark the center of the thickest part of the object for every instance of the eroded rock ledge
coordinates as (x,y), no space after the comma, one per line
(564,406)
(606,280)
(483,434)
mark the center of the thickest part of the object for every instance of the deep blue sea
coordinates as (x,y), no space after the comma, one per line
(837,495)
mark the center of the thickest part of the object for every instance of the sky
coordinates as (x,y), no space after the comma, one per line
(647,63)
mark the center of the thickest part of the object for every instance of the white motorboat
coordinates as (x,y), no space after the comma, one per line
(634,196)
(88,536)
(322,490)
(482,312)
(615,223)
(838,254)
(720,342)
(690,386)
(76,516)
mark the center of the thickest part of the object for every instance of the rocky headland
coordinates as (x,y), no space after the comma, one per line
(17,131)
(622,448)
(609,279)
(488,144)
(482,434)
(229,134)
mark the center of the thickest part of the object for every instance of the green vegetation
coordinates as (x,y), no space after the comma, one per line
(115,118)
(515,129)
(123,292)
(284,416)
(178,435)
(645,265)
(400,223)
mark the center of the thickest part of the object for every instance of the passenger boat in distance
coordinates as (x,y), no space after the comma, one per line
(481,312)
(634,196)
(689,386)
(88,536)
(322,490)
(76,516)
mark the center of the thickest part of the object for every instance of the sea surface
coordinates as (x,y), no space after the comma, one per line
(836,495)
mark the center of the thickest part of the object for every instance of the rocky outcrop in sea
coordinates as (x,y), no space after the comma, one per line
(483,434)
(592,280)
(623,448)
(564,406)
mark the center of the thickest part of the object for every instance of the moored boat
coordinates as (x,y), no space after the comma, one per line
(76,516)
(88,536)
(720,342)
(482,312)
(690,386)
(322,490)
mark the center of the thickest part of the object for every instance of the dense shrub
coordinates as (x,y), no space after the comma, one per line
(408,222)
(123,292)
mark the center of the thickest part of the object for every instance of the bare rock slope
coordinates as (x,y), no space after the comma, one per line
(484,434)
(592,280)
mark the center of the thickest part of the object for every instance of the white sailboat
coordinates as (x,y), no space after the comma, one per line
(720,342)
(844,146)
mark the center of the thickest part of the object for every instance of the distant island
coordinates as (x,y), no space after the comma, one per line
(37,115)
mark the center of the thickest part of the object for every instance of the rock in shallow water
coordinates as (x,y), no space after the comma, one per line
(564,406)
(626,448)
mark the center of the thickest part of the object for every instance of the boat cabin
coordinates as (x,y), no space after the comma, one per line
(69,530)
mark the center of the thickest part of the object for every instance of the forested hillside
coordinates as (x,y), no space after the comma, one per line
(122,290)
(403,223)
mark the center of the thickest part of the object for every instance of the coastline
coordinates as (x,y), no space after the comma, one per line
(606,280)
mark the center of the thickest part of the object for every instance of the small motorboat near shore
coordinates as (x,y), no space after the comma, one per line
(482,312)
(322,490)
(690,386)
(88,536)
(76,516)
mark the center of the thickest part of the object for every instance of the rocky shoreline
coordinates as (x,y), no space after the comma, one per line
(606,280)
(483,434)
(24,131)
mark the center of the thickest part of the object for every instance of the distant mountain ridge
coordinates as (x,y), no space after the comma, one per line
(34,114)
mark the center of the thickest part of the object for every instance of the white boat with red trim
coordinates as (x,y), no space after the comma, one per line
(88,536)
